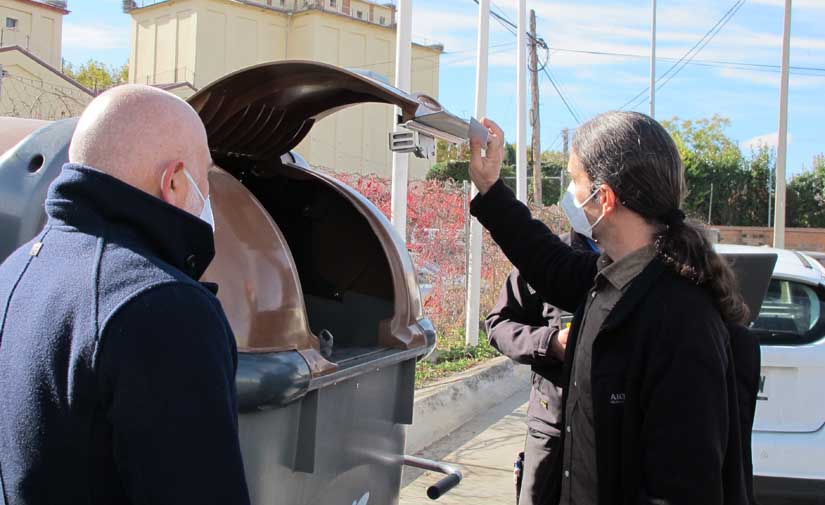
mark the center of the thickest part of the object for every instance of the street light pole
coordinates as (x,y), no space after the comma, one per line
(473,298)
(401,161)
(521,113)
(653,61)
(782,147)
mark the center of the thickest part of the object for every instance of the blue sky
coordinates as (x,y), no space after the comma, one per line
(747,95)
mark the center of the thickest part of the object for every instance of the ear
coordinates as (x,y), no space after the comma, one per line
(171,184)
(608,199)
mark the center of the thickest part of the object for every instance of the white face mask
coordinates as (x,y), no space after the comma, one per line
(206,213)
(575,214)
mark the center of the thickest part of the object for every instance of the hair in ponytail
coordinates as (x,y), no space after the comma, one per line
(634,155)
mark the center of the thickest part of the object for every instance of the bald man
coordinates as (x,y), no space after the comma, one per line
(117,367)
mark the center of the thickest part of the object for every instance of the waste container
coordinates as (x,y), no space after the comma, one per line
(299,255)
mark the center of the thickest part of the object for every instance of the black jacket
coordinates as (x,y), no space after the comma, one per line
(117,368)
(521,326)
(665,406)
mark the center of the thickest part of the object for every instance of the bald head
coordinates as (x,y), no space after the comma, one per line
(145,137)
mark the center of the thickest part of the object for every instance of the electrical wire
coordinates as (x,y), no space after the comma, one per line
(563,99)
(710,63)
(513,29)
(692,52)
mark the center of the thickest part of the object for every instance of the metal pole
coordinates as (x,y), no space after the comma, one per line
(770,193)
(653,61)
(782,147)
(473,299)
(535,123)
(710,206)
(565,138)
(400,161)
(521,114)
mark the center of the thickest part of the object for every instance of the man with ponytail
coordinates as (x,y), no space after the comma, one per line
(650,400)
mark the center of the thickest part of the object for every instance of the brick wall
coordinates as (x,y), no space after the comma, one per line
(802,239)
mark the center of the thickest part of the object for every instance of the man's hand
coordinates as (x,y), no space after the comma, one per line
(485,170)
(559,343)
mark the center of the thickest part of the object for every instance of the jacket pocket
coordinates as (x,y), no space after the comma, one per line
(544,411)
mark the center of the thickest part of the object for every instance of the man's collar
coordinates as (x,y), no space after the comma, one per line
(621,272)
(87,199)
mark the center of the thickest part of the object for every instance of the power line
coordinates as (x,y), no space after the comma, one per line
(706,38)
(511,27)
(674,74)
(717,63)
(563,99)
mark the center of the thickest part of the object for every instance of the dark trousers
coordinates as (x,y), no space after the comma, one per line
(537,460)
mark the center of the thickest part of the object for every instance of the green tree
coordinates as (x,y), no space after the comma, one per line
(714,162)
(96,76)
(806,197)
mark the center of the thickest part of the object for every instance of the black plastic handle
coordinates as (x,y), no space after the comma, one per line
(443,486)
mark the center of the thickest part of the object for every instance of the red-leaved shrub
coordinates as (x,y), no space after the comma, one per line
(437,236)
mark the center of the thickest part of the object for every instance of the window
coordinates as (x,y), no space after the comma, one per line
(333,3)
(792,314)
(11,23)
(283,2)
(360,14)
(382,20)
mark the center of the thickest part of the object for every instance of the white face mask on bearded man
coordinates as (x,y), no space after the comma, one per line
(575,212)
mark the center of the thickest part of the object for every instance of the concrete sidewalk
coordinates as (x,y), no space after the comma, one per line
(485,449)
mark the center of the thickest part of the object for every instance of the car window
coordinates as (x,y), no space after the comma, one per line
(792,314)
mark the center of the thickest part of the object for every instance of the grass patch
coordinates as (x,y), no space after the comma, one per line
(453,356)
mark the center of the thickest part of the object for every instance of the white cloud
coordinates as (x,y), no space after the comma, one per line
(770,140)
(94,37)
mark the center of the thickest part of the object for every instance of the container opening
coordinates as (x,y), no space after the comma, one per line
(345,277)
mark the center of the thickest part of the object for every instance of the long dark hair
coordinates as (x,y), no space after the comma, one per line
(634,155)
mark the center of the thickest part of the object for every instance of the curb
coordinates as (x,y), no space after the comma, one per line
(442,407)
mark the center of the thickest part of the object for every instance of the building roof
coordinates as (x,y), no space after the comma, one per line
(50,68)
(43,5)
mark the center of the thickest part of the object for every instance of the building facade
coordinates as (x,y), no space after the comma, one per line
(198,41)
(36,26)
(32,84)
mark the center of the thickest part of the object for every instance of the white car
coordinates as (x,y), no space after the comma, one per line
(789,429)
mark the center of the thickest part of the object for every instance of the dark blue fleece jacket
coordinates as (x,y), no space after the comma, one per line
(117,367)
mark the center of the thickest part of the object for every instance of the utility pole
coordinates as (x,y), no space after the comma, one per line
(653,61)
(401,161)
(473,299)
(534,112)
(521,112)
(782,147)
